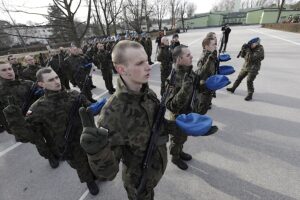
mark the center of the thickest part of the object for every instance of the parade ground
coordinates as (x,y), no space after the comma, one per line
(255,155)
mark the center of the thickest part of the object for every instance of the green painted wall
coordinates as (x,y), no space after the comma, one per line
(271,16)
(254,17)
(215,20)
(198,22)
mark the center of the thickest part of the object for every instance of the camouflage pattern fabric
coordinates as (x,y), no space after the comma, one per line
(165,57)
(29,73)
(129,116)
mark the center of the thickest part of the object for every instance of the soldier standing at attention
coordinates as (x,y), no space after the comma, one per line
(47,121)
(103,61)
(207,61)
(127,119)
(148,48)
(165,57)
(253,53)
(30,71)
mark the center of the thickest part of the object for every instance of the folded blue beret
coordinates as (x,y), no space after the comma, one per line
(96,107)
(216,82)
(226,70)
(224,57)
(88,65)
(194,124)
(254,40)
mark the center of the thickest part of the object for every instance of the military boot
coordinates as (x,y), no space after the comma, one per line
(54,163)
(185,156)
(230,89)
(93,187)
(248,97)
(180,163)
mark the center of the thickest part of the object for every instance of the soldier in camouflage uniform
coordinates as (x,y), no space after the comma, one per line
(253,53)
(30,71)
(165,57)
(46,123)
(128,116)
(184,99)
(77,73)
(11,87)
(148,49)
(17,67)
(209,51)
(103,62)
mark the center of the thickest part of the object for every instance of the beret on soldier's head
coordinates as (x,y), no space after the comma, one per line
(254,40)
(194,124)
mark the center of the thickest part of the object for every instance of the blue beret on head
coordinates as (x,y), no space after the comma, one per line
(254,40)
(194,124)
(226,70)
(96,107)
(216,82)
(224,57)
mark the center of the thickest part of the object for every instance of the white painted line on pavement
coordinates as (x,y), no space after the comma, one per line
(84,195)
(2,153)
(190,44)
(273,36)
(98,96)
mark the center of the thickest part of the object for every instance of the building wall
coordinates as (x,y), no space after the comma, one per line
(271,16)
(254,17)
(198,22)
(215,20)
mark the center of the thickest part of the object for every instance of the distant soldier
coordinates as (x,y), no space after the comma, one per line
(226,31)
(103,61)
(148,49)
(175,41)
(17,67)
(127,117)
(253,53)
(29,73)
(165,57)
(47,121)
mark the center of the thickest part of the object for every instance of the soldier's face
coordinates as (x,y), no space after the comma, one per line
(186,59)
(212,46)
(7,72)
(30,60)
(12,60)
(51,81)
(137,70)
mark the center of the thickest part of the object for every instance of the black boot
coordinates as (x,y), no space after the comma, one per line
(230,90)
(185,156)
(248,97)
(180,163)
(54,163)
(93,187)
(211,131)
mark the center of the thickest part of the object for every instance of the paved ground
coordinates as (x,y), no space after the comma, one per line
(254,156)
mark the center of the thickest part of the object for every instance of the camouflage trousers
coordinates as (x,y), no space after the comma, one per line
(78,159)
(131,175)
(107,77)
(204,102)
(164,74)
(178,138)
(250,79)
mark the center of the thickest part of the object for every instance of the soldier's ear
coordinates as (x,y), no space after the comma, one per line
(120,69)
(41,84)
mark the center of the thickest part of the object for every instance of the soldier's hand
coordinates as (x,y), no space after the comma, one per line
(92,139)
(12,108)
(187,81)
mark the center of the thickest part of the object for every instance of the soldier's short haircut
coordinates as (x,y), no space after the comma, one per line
(40,72)
(210,34)
(118,52)
(10,56)
(206,41)
(177,52)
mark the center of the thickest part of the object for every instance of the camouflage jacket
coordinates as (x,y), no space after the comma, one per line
(49,117)
(17,69)
(29,73)
(72,65)
(129,117)
(103,60)
(165,56)
(148,46)
(253,58)
(179,100)
(17,89)
(207,65)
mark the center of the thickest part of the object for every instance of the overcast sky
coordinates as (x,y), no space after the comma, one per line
(39,6)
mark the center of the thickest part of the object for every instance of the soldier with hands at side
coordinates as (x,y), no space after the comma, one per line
(127,119)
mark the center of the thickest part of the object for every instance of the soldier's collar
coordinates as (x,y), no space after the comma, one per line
(49,94)
(9,82)
(183,69)
(123,92)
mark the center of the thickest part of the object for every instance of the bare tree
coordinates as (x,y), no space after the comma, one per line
(190,9)
(160,9)
(65,7)
(224,5)
(133,14)
(182,12)
(174,6)
(280,7)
